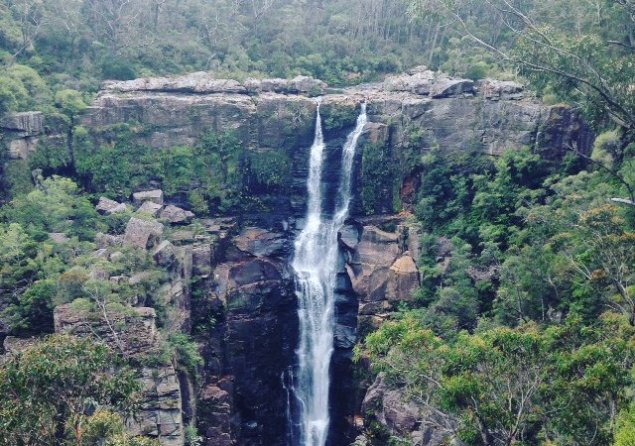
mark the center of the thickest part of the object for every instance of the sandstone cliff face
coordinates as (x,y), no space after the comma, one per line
(409,114)
(231,280)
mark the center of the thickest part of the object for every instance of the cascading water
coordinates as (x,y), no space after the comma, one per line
(315,266)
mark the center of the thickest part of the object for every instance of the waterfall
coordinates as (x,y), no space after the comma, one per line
(315,266)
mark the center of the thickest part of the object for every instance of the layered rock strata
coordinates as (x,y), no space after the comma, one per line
(231,282)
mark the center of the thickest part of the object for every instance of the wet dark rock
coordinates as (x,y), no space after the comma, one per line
(261,243)
(349,236)
(345,336)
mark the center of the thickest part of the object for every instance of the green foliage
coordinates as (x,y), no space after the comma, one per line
(186,350)
(337,118)
(50,156)
(267,170)
(217,176)
(22,89)
(55,206)
(448,293)
(470,197)
(510,385)
(192,438)
(378,173)
(17,178)
(107,428)
(70,102)
(50,387)
(625,433)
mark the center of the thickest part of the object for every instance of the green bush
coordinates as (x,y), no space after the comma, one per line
(186,351)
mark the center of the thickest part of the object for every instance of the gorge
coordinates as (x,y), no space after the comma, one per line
(320,254)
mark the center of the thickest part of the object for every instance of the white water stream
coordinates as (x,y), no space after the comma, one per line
(315,266)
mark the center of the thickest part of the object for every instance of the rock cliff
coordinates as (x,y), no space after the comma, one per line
(231,283)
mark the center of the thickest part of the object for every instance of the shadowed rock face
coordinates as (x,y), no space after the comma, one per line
(243,306)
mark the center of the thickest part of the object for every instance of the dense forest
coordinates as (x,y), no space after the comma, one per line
(523,329)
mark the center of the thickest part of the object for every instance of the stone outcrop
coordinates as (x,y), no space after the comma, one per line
(154,196)
(495,90)
(297,85)
(160,415)
(403,279)
(134,334)
(381,270)
(403,418)
(423,82)
(22,131)
(142,233)
(175,215)
(194,83)
(247,353)
(150,208)
(205,83)
(139,336)
(108,207)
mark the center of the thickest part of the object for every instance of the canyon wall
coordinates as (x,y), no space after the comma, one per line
(231,279)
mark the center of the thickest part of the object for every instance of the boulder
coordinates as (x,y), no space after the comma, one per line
(448,87)
(164,254)
(417,82)
(106,240)
(299,84)
(150,208)
(495,90)
(14,345)
(142,233)
(349,236)
(182,237)
(107,206)
(390,408)
(155,196)
(175,215)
